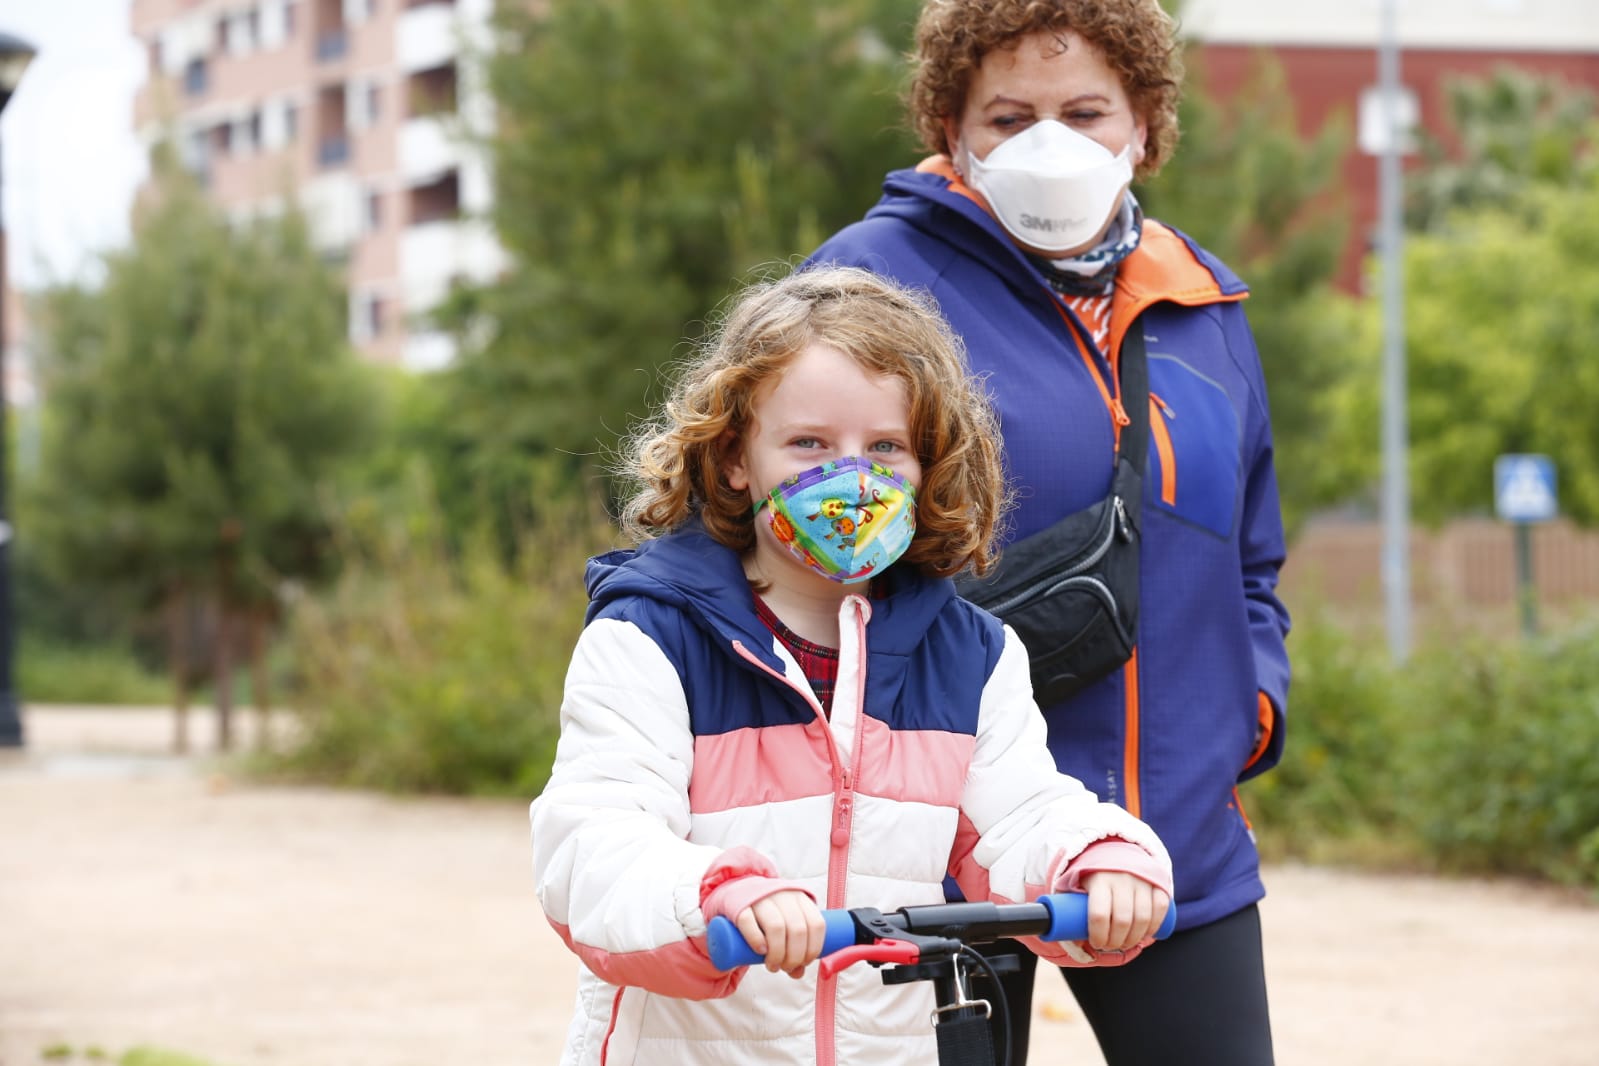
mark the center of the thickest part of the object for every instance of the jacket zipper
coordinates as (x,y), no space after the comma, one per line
(839,833)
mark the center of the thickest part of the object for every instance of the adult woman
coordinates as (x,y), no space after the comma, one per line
(1021,226)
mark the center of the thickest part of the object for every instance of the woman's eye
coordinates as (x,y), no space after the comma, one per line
(1085,117)
(805,442)
(886,446)
(1010,123)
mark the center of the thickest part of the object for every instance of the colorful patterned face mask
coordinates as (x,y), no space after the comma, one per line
(847,519)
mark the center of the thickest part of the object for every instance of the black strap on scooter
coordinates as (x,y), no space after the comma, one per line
(963,1038)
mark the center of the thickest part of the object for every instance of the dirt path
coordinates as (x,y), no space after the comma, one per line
(150,900)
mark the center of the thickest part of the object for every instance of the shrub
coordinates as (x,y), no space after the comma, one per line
(1501,765)
(439,668)
(1474,757)
(51,671)
(1333,795)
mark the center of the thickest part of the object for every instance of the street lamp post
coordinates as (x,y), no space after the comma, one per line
(15,55)
(1395,434)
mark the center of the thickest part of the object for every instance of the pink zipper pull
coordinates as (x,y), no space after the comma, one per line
(840,835)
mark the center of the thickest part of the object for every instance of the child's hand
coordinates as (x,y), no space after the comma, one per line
(787,928)
(1123,910)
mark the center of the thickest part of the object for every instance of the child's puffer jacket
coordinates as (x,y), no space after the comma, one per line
(693,750)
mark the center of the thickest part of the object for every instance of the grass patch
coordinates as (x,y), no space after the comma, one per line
(50,672)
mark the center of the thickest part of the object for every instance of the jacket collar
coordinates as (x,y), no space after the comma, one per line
(1166,267)
(691,571)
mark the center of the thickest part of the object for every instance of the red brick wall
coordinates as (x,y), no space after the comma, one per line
(1326,81)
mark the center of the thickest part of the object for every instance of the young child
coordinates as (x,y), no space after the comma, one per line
(779,704)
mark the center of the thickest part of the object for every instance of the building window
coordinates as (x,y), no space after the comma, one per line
(437,201)
(333,151)
(433,91)
(374,211)
(194,78)
(368,317)
(374,103)
(291,121)
(333,128)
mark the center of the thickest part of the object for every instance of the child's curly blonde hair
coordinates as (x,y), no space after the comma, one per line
(677,461)
(1136,37)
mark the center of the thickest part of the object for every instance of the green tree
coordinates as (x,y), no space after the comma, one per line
(1501,306)
(1505,133)
(651,154)
(1500,300)
(196,403)
(1251,189)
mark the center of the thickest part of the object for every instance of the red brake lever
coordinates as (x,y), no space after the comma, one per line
(882,951)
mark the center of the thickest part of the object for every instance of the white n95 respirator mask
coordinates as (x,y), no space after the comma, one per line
(1051,187)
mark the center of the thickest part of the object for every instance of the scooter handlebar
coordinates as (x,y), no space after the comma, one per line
(1066,914)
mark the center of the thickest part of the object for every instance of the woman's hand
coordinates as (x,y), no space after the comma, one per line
(787,928)
(1123,910)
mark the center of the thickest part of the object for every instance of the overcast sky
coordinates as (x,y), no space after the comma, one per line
(71,161)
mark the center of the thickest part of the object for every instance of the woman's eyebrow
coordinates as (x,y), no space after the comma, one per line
(1080,98)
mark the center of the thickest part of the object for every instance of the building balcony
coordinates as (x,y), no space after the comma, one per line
(427,37)
(435,254)
(427,150)
(333,206)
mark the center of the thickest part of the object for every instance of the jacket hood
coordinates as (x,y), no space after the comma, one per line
(689,570)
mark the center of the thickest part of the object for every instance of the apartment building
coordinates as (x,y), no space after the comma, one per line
(365,112)
(1328,52)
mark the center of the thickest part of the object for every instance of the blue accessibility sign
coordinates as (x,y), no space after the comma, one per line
(1524,488)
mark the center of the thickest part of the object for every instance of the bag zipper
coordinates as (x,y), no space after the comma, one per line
(1116,527)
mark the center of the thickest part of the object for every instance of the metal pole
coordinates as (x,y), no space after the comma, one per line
(1395,481)
(10,719)
(1526,587)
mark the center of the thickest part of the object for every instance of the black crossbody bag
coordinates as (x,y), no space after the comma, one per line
(1071,591)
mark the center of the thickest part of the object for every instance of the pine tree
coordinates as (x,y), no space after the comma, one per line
(195,404)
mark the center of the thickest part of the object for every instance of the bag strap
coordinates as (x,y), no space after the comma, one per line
(1133,366)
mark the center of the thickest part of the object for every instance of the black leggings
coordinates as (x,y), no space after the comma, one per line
(1198,998)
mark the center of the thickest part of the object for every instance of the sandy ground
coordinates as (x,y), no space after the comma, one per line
(146,899)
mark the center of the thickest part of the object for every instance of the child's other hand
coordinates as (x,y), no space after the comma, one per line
(787,928)
(1123,910)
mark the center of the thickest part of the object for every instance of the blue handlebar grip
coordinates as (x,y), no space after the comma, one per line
(1068,914)
(729,950)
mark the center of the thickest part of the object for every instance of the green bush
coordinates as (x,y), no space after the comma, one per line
(1332,796)
(54,672)
(437,668)
(1475,757)
(1502,767)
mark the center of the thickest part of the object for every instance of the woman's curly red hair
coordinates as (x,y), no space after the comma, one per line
(1136,37)
(677,461)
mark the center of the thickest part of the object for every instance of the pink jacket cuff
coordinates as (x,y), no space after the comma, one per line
(739,878)
(1110,855)
(1118,856)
